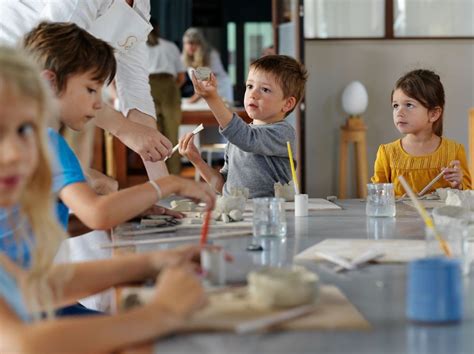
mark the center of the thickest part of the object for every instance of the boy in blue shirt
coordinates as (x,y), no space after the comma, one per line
(76,65)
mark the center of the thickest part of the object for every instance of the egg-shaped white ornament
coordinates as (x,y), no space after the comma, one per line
(355,98)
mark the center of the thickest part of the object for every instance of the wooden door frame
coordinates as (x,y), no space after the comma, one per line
(297,16)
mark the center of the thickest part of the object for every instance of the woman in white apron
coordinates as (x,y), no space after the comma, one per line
(124,24)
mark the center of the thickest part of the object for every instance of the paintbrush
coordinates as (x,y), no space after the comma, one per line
(424,215)
(199,128)
(293,171)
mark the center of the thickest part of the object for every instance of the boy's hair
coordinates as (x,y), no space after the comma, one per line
(66,49)
(424,86)
(290,74)
(20,81)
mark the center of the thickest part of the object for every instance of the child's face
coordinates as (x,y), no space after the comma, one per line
(409,115)
(18,146)
(264,101)
(80,100)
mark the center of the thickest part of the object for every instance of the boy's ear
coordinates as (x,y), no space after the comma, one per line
(434,114)
(289,104)
(50,77)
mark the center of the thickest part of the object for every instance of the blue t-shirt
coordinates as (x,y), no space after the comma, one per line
(11,294)
(16,237)
(66,170)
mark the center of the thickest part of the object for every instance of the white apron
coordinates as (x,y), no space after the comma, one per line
(121,26)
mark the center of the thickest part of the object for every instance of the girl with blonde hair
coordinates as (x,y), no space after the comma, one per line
(27,291)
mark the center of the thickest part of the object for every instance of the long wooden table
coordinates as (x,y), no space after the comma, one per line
(377,291)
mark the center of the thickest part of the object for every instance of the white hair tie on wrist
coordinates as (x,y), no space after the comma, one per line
(157,189)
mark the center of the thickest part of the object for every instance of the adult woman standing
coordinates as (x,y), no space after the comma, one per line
(124,24)
(196,53)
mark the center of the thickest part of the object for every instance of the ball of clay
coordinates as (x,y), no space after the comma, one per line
(236,215)
(225,218)
(280,287)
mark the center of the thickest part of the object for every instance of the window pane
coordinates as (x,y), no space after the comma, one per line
(257,37)
(231,46)
(344,18)
(433,18)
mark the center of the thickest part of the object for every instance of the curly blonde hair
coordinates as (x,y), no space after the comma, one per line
(20,79)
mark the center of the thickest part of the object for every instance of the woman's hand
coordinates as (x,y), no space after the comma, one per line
(453,174)
(179,291)
(188,149)
(146,141)
(205,89)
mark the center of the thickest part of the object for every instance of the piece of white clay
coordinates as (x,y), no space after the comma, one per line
(236,215)
(183,205)
(285,191)
(282,287)
(225,218)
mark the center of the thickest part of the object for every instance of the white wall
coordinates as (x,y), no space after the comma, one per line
(377,64)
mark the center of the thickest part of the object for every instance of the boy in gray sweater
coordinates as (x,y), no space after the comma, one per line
(256,156)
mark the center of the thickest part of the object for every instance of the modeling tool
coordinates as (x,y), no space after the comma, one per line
(199,128)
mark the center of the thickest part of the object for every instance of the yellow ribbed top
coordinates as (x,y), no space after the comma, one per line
(393,161)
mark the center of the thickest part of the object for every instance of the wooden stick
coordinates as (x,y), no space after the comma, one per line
(428,186)
(271,320)
(176,147)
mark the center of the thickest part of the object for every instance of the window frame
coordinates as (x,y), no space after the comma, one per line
(389,32)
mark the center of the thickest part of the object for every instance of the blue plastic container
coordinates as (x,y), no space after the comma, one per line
(434,290)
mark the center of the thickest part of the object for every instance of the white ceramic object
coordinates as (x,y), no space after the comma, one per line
(355,98)
(301,205)
(214,266)
(282,287)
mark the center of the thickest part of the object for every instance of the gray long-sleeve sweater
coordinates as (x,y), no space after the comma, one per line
(256,156)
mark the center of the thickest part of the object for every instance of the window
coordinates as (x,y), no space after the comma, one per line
(344,18)
(433,18)
(388,19)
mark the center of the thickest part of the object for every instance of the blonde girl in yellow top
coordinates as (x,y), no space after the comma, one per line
(418,107)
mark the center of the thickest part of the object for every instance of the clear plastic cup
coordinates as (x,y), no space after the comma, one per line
(269,217)
(380,200)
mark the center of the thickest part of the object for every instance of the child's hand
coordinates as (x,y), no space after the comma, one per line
(453,174)
(160,210)
(205,89)
(197,191)
(184,254)
(179,291)
(188,149)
